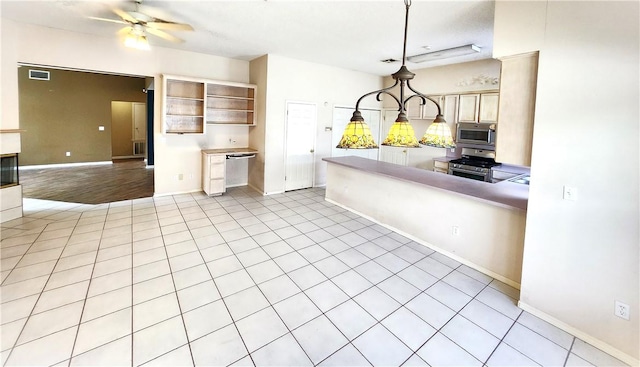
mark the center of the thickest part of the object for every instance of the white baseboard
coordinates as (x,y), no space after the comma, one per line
(127,157)
(581,335)
(155,195)
(61,165)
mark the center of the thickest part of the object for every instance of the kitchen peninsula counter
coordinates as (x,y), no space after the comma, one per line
(476,223)
(508,194)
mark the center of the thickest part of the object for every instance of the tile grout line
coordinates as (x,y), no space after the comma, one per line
(15,344)
(73,347)
(175,292)
(189,341)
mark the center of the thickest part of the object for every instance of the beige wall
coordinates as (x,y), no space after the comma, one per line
(452,79)
(580,256)
(258,73)
(300,81)
(63,114)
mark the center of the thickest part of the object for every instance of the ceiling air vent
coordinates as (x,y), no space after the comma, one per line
(39,75)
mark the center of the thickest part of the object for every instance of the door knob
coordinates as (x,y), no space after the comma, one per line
(311,151)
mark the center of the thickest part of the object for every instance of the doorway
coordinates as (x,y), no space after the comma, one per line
(128,130)
(67,118)
(300,145)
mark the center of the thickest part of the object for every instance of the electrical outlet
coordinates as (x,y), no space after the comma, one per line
(570,193)
(68,154)
(621,310)
(455,231)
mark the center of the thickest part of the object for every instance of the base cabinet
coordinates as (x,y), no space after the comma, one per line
(214,167)
(440,166)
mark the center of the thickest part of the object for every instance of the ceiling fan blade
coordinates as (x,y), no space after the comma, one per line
(109,20)
(170,26)
(124,30)
(124,15)
(164,35)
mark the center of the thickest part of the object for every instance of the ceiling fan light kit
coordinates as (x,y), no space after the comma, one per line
(139,24)
(138,42)
(445,54)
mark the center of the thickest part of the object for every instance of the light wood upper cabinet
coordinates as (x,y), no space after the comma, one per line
(468,106)
(414,109)
(430,110)
(518,81)
(481,107)
(488,109)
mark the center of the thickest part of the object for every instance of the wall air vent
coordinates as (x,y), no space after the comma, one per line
(39,75)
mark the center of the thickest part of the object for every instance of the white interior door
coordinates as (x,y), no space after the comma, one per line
(300,145)
(139,128)
(395,155)
(341,117)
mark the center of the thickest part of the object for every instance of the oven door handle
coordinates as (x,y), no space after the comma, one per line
(467,171)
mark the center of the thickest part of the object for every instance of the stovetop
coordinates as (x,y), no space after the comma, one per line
(474,161)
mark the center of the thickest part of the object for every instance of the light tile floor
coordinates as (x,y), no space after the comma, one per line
(243,280)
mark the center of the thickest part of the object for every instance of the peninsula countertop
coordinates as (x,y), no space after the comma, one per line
(507,194)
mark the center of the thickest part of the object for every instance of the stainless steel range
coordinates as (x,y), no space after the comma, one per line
(475,164)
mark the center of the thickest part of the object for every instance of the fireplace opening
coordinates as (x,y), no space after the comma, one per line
(8,170)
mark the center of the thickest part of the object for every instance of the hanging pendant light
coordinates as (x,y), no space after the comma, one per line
(401,134)
(438,134)
(358,135)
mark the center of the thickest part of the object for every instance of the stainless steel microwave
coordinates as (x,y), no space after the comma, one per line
(480,134)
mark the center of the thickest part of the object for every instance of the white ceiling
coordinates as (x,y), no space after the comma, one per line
(354,35)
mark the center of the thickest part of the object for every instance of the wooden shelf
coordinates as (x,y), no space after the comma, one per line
(231,104)
(183,106)
(190,104)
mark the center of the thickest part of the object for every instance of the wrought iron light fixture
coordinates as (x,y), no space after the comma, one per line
(357,134)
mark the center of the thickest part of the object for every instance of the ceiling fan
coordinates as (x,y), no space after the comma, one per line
(137,24)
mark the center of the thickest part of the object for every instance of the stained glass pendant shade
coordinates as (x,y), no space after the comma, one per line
(438,134)
(357,134)
(401,134)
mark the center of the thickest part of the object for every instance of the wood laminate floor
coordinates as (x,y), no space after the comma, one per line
(94,184)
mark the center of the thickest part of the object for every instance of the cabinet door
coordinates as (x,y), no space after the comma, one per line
(395,155)
(217,171)
(450,112)
(430,110)
(216,186)
(468,107)
(489,107)
(414,109)
(518,78)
